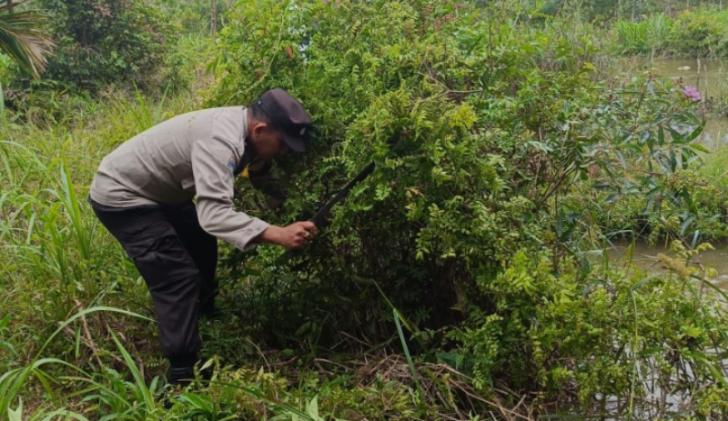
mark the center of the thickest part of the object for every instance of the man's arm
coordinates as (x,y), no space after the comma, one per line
(291,236)
(215,211)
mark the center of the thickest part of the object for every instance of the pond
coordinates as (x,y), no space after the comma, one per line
(645,257)
(711,79)
(709,76)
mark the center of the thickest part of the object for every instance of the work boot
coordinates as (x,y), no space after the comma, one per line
(180,375)
(182,372)
(206,374)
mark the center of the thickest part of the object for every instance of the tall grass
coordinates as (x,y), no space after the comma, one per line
(716,166)
(647,36)
(14,380)
(56,261)
(66,353)
(693,33)
(55,257)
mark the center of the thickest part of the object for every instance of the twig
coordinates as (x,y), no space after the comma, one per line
(265,360)
(89,341)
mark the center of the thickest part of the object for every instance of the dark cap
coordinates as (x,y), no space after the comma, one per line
(286,114)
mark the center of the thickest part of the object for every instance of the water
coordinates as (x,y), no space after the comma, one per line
(709,76)
(645,257)
(711,79)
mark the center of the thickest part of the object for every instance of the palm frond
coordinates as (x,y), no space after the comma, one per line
(22,38)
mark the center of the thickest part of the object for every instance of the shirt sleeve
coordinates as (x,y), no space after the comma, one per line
(213,163)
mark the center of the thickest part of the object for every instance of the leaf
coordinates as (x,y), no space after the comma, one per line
(22,38)
(138,378)
(312,408)
(692,331)
(699,147)
(405,348)
(17,413)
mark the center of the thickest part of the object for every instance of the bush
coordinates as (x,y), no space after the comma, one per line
(478,126)
(645,36)
(413,87)
(700,33)
(193,15)
(100,42)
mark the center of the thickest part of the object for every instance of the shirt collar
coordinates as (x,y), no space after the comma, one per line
(248,153)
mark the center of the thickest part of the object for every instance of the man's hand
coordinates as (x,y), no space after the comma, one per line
(292,236)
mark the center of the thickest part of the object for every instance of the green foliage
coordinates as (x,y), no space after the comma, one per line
(454,281)
(7,67)
(655,183)
(193,16)
(699,32)
(607,10)
(479,126)
(181,71)
(23,38)
(645,36)
(106,41)
(594,337)
(438,110)
(716,167)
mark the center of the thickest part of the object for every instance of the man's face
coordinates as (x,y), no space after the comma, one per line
(268,141)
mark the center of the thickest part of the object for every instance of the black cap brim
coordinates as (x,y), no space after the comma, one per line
(295,143)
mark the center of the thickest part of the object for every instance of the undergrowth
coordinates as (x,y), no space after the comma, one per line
(453,284)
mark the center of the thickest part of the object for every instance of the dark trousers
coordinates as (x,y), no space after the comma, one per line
(177,259)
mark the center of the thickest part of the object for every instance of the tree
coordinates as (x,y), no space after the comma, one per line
(101,42)
(23,39)
(213,17)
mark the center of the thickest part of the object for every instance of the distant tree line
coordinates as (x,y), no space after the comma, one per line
(625,9)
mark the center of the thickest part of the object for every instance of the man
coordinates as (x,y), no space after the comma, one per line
(142,193)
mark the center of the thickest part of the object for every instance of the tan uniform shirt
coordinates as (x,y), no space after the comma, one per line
(191,154)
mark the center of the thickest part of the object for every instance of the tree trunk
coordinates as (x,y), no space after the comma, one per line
(213,17)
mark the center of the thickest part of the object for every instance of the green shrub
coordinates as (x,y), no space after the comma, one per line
(645,36)
(448,119)
(7,69)
(193,16)
(497,151)
(478,126)
(700,33)
(106,41)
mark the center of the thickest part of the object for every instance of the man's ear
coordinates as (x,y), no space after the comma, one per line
(259,127)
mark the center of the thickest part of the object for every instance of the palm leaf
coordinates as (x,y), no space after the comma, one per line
(22,38)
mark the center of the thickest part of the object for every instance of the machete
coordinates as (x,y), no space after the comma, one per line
(321,217)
